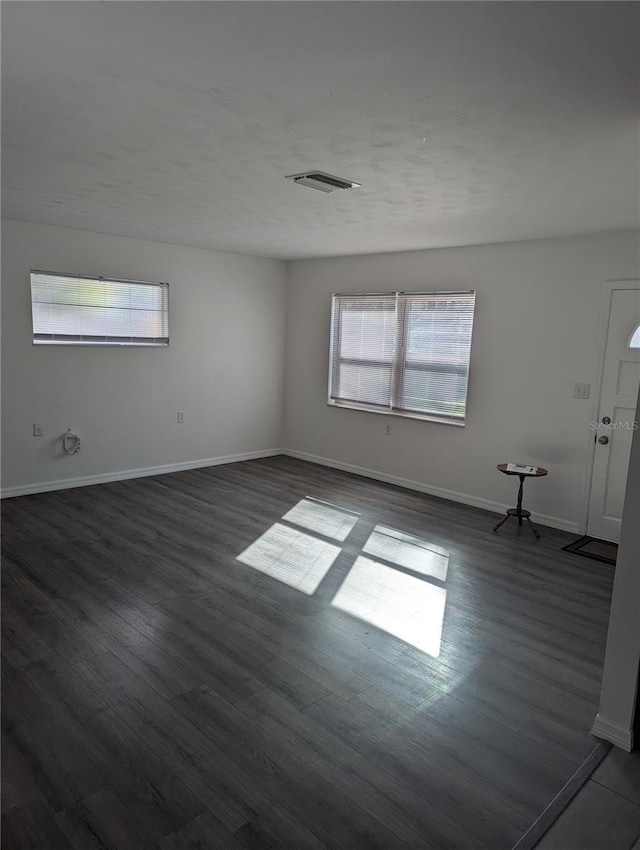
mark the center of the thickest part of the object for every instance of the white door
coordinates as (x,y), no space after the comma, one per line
(616,420)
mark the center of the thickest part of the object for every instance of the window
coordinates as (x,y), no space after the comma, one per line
(75,310)
(634,342)
(405,353)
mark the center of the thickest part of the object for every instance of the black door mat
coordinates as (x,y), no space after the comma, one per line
(597,550)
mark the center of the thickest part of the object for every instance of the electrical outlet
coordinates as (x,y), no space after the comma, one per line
(180,417)
(581,390)
(37,429)
(388,429)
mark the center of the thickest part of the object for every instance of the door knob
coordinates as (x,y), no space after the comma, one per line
(603,440)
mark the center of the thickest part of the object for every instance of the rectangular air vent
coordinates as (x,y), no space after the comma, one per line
(322,181)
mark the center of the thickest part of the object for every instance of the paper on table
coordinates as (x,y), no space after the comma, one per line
(519,467)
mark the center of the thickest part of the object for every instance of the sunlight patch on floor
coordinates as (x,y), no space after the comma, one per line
(408,551)
(401,605)
(291,556)
(323,518)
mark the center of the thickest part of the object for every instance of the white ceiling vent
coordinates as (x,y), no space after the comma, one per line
(323,182)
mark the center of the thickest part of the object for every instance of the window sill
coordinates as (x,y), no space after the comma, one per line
(101,344)
(425,417)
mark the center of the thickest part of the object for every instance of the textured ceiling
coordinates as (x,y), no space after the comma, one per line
(465,122)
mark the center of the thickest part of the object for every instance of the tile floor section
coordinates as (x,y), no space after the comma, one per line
(605,814)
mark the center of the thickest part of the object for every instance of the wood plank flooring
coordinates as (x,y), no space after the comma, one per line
(272,654)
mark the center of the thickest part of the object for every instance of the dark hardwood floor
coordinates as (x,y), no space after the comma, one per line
(220,659)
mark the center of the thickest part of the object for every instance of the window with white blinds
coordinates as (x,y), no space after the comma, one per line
(405,353)
(76,310)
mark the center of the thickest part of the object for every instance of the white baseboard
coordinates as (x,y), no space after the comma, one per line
(410,484)
(618,735)
(377,475)
(124,474)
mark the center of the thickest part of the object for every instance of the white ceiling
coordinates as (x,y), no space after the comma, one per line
(465,122)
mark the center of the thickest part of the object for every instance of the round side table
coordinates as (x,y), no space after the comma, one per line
(519,511)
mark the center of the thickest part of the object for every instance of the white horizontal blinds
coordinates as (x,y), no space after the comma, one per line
(403,352)
(362,349)
(83,310)
(436,350)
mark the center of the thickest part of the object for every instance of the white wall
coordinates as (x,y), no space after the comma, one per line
(224,367)
(536,333)
(622,659)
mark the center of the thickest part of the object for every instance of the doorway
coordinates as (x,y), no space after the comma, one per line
(616,423)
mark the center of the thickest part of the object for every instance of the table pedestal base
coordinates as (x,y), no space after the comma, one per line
(520,514)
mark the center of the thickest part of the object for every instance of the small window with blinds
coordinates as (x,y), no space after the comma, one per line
(76,310)
(404,353)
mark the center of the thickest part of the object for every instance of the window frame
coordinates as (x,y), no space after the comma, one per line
(109,341)
(400,358)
